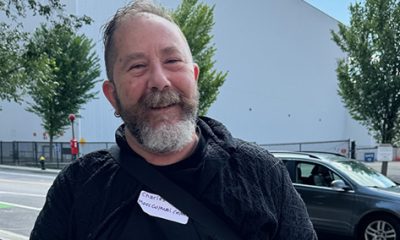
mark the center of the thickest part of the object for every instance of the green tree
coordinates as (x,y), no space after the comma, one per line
(65,84)
(369,78)
(196,21)
(11,70)
(13,38)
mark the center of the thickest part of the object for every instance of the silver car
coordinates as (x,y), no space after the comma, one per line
(345,197)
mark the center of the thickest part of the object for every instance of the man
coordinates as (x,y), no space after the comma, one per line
(152,86)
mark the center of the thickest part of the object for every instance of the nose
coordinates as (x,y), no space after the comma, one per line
(158,78)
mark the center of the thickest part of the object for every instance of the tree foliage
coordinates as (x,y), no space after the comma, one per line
(369,78)
(52,10)
(13,37)
(196,21)
(62,85)
(11,71)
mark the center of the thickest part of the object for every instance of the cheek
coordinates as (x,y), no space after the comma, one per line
(130,92)
(186,84)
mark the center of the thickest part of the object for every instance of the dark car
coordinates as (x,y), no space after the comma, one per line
(345,197)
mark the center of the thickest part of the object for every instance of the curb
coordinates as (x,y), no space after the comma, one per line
(6,235)
(30,169)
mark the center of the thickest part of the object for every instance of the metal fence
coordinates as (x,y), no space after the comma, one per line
(28,153)
(367,153)
(344,147)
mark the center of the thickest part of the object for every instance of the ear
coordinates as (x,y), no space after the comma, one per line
(109,92)
(196,71)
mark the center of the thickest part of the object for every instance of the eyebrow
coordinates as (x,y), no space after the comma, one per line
(125,60)
(171,50)
(131,57)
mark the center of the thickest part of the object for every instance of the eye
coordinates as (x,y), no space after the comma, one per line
(173,61)
(137,66)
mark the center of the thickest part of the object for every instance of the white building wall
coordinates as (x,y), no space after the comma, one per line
(281,85)
(281,62)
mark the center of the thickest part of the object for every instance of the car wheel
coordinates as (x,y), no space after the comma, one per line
(380,228)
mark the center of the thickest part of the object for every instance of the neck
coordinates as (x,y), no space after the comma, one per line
(161,159)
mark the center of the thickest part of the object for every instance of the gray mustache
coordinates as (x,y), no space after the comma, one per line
(158,99)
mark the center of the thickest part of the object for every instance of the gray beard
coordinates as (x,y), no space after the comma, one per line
(166,137)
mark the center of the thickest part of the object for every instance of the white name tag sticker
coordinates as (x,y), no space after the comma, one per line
(156,206)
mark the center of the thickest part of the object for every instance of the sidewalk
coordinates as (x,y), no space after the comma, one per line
(6,235)
(30,169)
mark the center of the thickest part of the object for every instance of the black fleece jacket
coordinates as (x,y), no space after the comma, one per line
(94,198)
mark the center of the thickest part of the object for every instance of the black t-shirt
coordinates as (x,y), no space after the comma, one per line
(186,174)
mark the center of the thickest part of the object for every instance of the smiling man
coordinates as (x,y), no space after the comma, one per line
(153,87)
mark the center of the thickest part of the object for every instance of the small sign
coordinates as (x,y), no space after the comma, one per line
(369,156)
(385,152)
(156,206)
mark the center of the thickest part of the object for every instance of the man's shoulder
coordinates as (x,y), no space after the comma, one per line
(253,157)
(241,151)
(251,150)
(89,164)
(97,159)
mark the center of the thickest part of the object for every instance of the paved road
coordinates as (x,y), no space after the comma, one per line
(22,195)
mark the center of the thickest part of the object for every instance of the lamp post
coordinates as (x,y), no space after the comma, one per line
(73,142)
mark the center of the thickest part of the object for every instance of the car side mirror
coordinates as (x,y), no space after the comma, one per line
(340,185)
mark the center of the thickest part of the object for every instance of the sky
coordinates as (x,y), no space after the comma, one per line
(339,9)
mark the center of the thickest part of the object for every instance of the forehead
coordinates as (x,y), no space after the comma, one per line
(145,29)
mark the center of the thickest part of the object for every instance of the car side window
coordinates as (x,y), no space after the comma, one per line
(303,171)
(314,174)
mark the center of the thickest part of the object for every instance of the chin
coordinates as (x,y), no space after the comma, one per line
(163,121)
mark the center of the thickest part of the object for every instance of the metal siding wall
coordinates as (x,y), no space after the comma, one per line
(281,83)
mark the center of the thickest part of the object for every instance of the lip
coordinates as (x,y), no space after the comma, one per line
(164,109)
(167,106)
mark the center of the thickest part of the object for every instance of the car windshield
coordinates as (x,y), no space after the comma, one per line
(363,175)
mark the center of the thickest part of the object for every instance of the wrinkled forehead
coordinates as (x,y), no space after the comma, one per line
(152,23)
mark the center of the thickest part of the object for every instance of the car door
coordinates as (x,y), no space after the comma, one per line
(329,209)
